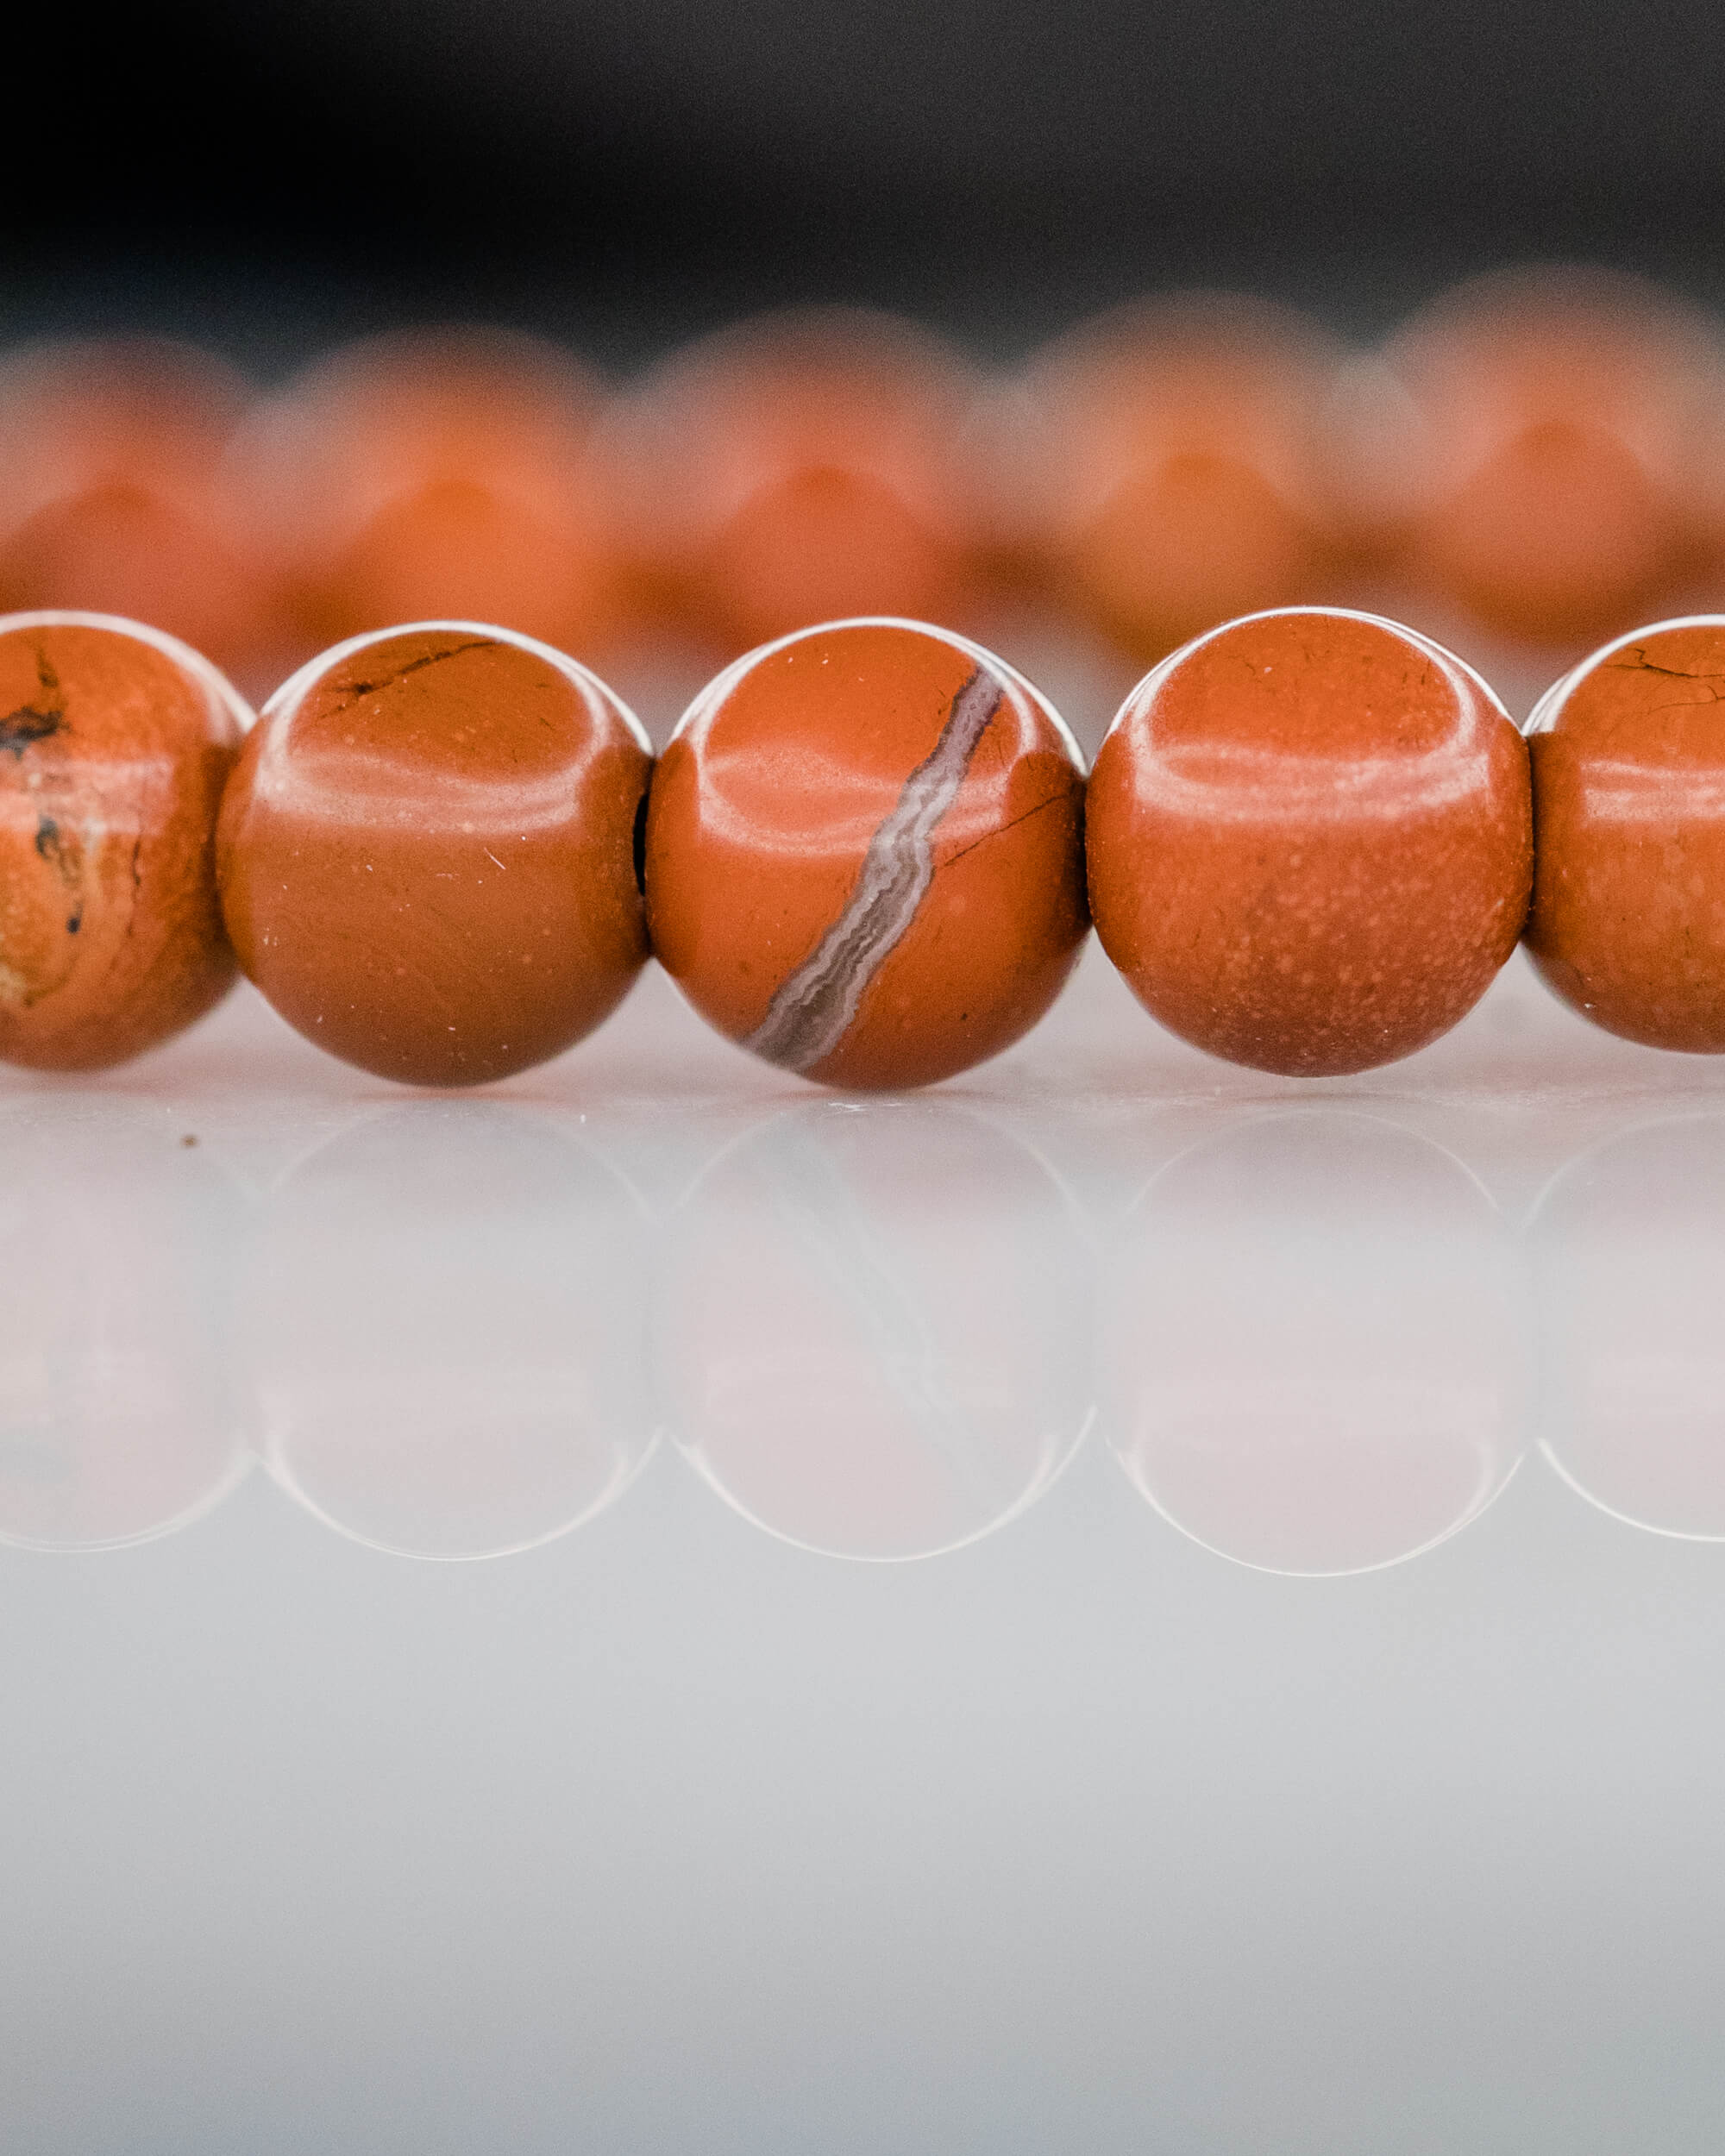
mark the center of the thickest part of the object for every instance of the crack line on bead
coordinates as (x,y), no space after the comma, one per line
(362,689)
(1639,662)
(1052,801)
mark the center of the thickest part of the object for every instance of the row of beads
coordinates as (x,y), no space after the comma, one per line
(1546,455)
(868,853)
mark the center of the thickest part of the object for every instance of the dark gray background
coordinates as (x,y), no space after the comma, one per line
(630,169)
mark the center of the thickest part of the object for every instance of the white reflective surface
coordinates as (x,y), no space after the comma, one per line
(443,1325)
(1097,1822)
(1314,1341)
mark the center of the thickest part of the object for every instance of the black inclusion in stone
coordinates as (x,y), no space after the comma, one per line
(641,843)
(27,724)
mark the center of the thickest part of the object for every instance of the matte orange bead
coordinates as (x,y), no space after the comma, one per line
(1310,841)
(864,854)
(113,497)
(432,475)
(1628,915)
(1172,465)
(115,742)
(427,852)
(1540,458)
(803,467)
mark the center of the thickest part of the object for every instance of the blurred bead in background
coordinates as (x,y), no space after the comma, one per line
(113,497)
(1539,455)
(803,467)
(1532,463)
(438,474)
(1174,464)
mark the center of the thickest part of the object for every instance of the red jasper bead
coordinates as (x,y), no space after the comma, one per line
(1173,465)
(1628,923)
(448,475)
(427,852)
(864,854)
(115,743)
(113,497)
(1539,457)
(1310,841)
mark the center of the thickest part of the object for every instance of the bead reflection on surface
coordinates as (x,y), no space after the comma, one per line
(1628,1250)
(1311,1357)
(116,1420)
(871,1328)
(445,1332)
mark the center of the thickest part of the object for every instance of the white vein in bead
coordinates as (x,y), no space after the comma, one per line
(813,1007)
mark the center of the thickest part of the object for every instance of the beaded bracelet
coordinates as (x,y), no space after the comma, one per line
(444,851)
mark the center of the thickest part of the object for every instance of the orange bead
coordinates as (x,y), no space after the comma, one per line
(1310,841)
(864,854)
(439,476)
(1535,451)
(1174,464)
(113,497)
(115,743)
(426,854)
(1628,915)
(803,467)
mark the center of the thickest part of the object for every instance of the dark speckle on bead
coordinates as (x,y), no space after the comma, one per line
(111,938)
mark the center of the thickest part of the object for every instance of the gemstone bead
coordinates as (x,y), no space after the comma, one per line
(427,852)
(1310,841)
(1171,465)
(1628,923)
(864,858)
(428,474)
(804,467)
(115,498)
(1540,460)
(115,743)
